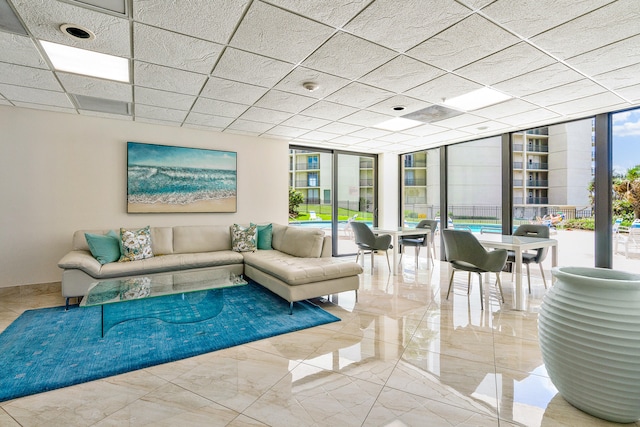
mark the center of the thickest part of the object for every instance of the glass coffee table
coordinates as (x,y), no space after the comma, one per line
(188,296)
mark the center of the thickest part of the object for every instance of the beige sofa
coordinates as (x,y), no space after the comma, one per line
(299,266)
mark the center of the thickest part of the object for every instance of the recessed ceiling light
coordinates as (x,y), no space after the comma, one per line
(398,108)
(397,124)
(89,63)
(77,32)
(310,86)
(476,99)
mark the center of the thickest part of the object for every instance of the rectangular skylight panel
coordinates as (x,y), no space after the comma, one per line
(86,62)
(476,99)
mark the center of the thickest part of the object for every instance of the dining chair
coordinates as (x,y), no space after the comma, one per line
(367,241)
(464,252)
(531,230)
(421,240)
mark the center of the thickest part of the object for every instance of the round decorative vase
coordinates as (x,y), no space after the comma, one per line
(589,334)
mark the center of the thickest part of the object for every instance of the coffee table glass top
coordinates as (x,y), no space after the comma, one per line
(116,290)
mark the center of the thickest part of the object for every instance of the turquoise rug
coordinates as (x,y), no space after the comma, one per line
(49,348)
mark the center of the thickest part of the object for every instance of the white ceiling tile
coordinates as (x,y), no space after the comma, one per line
(339,128)
(609,24)
(370,133)
(387,24)
(249,126)
(157,121)
(175,50)
(338,13)
(447,86)
(112,33)
(621,77)
(319,135)
(395,137)
(589,103)
(506,64)
(227,90)
(327,83)
(411,105)
(373,144)
(359,95)
(202,127)
(304,122)
(347,139)
(251,68)
(89,86)
(160,113)
(28,77)
(286,131)
(284,101)
(161,98)
(20,50)
(538,18)
(536,81)
(475,4)
(348,56)
(35,96)
(460,121)
(328,110)
(169,79)
(241,132)
(208,120)
(43,107)
(219,108)
(506,108)
(276,33)
(264,115)
(400,74)
(365,118)
(523,119)
(424,130)
(570,91)
(467,41)
(485,128)
(632,93)
(611,57)
(212,20)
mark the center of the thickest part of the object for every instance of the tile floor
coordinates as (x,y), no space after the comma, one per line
(402,355)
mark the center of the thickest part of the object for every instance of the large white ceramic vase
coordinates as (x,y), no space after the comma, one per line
(589,332)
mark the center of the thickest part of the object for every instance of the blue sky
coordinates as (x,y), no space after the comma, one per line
(163,155)
(626,140)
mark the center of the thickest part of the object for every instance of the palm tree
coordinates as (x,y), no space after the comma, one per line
(628,188)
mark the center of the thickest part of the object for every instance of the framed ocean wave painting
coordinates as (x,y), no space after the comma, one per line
(168,179)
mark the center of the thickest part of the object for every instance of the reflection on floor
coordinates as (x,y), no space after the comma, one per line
(401,356)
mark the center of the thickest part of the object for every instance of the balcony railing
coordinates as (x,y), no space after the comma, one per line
(415,181)
(538,148)
(301,184)
(541,166)
(307,166)
(537,200)
(517,165)
(366,183)
(537,183)
(366,164)
(518,182)
(415,164)
(518,147)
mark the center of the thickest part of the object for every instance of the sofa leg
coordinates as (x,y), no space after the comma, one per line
(356,295)
(291,308)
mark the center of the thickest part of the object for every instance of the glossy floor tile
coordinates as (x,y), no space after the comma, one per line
(402,355)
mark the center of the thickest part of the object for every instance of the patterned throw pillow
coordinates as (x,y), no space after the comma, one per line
(244,239)
(135,244)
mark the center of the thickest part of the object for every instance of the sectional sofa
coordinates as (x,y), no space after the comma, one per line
(296,265)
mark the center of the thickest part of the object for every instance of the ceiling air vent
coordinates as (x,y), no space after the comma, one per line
(432,114)
(103,105)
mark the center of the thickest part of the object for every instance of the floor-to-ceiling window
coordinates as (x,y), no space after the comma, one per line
(333,189)
(626,190)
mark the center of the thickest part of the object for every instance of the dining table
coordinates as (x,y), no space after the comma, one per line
(398,232)
(519,244)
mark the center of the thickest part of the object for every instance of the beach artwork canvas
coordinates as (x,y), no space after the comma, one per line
(162,178)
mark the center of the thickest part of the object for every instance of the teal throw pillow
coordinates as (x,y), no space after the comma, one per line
(104,247)
(265,232)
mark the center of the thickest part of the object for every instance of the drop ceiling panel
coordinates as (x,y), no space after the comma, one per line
(286,131)
(631,93)
(20,50)
(208,120)
(49,107)
(538,17)
(609,24)
(88,86)
(467,41)
(358,95)
(506,64)
(303,122)
(317,135)
(522,120)
(568,92)
(219,108)
(621,77)
(591,104)
(337,14)
(276,33)
(28,77)
(160,113)
(347,140)
(548,77)
(264,115)
(339,128)
(227,90)
(348,56)
(327,83)
(410,105)
(284,101)
(447,86)
(328,110)
(249,126)
(43,21)
(251,68)
(169,79)
(158,122)
(506,108)
(212,20)
(387,24)
(35,96)
(175,50)
(608,58)
(365,118)
(400,74)
(160,98)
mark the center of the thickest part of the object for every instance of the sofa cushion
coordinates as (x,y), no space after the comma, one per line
(135,245)
(299,271)
(243,239)
(104,247)
(265,233)
(162,240)
(296,241)
(201,238)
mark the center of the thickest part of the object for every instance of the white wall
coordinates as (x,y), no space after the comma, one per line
(62,172)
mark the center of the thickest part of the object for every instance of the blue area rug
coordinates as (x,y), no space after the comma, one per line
(49,348)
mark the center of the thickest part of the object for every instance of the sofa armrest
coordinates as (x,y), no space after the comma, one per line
(327,248)
(80,260)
